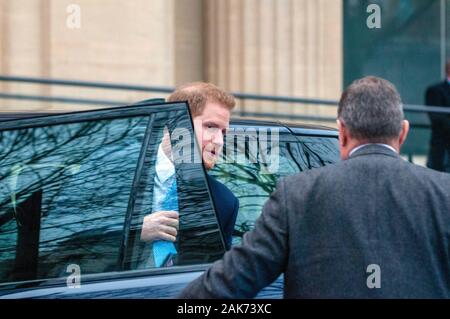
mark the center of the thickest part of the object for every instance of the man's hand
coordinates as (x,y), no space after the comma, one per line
(161,225)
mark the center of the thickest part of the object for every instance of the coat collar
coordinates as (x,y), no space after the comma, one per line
(371,149)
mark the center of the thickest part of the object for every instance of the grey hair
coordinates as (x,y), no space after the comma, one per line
(371,108)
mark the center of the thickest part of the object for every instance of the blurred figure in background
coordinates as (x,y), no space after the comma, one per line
(439,95)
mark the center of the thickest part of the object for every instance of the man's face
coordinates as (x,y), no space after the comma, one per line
(210,128)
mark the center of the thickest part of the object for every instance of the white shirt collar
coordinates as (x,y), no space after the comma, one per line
(364,145)
(164,166)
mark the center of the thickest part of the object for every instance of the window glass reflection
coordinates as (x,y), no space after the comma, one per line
(83,173)
(253,183)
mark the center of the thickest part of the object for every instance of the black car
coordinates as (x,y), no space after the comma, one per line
(75,187)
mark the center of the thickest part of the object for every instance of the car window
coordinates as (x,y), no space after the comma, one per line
(199,239)
(74,189)
(252,181)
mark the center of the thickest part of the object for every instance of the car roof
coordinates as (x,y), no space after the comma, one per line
(297,128)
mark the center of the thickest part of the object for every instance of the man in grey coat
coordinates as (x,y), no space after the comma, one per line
(371,226)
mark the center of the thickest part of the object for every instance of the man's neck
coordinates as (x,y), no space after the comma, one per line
(358,147)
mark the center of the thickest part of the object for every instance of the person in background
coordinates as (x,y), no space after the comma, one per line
(439,95)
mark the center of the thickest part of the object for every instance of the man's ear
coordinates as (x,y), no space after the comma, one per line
(403,133)
(343,139)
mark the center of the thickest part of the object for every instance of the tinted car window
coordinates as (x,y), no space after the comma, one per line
(74,190)
(253,181)
(199,239)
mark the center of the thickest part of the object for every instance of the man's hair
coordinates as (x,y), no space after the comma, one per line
(198,94)
(372,110)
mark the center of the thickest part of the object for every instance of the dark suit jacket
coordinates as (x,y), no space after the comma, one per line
(227,206)
(439,95)
(323,228)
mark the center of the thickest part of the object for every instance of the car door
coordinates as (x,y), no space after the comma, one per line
(74,190)
(256,156)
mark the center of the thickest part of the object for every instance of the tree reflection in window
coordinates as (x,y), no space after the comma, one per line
(252,183)
(85,171)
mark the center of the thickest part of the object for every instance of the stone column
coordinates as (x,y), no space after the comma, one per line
(279,47)
(23,48)
(142,42)
(188,41)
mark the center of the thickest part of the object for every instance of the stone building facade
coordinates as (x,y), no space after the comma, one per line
(276,47)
